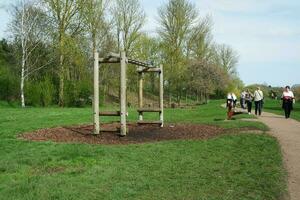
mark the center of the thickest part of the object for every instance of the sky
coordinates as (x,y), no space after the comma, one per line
(264,33)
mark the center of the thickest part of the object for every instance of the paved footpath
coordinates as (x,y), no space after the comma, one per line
(287,131)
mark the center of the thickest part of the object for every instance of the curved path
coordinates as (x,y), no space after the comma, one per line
(287,131)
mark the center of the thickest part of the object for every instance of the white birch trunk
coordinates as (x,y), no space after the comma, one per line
(23,62)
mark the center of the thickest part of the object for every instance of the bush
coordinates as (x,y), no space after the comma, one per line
(77,93)
(9,85)
(47,92)
(40,93)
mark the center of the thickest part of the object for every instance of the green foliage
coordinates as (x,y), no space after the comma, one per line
(9,84)
(78,94)
(61,42)
(40,93)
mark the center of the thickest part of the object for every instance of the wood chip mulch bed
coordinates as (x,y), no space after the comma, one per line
(137,134)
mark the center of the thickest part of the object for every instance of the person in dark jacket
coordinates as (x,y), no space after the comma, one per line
(287,101)
(249,100)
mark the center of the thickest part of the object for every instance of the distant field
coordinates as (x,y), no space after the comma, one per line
(274,106)
(247,166)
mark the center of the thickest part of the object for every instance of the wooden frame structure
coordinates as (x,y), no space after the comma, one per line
(142,68)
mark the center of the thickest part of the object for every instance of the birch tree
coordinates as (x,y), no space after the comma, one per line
(27,30)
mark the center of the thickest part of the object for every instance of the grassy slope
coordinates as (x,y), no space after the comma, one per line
(274,106)
(244,166)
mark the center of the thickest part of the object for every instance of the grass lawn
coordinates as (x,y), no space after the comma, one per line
(245,166)
(274,106)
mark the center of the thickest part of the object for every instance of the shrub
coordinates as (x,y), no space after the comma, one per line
(39,93)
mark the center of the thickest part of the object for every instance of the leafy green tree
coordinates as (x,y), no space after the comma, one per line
(66,21)
(129,18)
(176,19)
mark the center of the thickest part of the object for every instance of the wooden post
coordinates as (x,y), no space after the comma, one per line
(96,94)
(123,94)
(141,103)
(161,95)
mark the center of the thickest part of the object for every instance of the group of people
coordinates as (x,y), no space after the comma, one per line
(247,99)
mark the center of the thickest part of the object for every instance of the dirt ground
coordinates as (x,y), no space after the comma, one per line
(287,131)
(137,134)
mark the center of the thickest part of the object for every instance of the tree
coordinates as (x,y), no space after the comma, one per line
(199,40)
(227,58)
(27,28)
(176,19)
(129,19)
(66,22)
(94,17)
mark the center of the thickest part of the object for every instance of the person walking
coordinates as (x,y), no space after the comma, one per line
(249,99)
(230,103)
(287,101)
(258,100)
(242,100)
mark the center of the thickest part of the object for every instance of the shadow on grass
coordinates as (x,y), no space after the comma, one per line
(218,120)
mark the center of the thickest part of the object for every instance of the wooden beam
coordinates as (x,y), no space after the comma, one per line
(141,110)
(161,95)
(110,113)
(109,60)
(114,55)
(96,94)
(139,63)
(123,94)
(141,103)
(149,70)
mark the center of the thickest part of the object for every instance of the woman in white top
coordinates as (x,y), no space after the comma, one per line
(258,100)
(287,101)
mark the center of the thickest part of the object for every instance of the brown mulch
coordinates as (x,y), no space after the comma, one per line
(137,134)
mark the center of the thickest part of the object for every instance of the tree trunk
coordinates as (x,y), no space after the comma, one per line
(61,81)
(22,81)
(61,69)
(170,98)
(186,97)
(104,94)
(23,40)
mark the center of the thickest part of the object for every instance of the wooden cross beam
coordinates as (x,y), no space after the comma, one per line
(116,58)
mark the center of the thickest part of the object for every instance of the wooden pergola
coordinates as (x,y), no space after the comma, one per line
(142,68)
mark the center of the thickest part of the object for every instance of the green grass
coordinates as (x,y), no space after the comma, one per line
(274,106)
(245,166)
(17,120)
